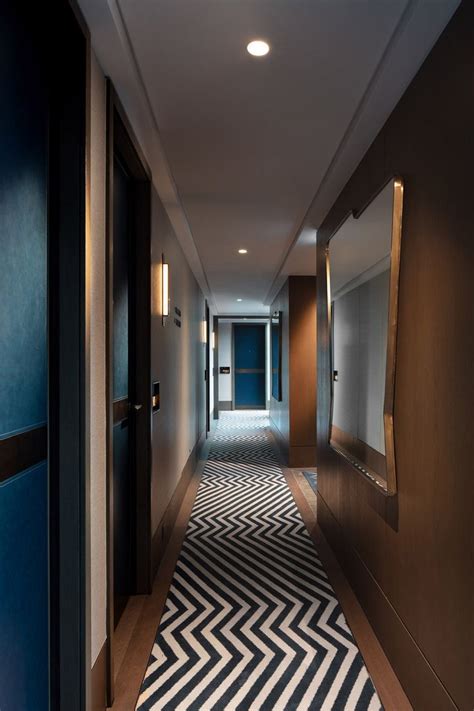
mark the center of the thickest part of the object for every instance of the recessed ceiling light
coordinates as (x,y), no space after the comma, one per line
(243,251)
(258,48)
(239,299)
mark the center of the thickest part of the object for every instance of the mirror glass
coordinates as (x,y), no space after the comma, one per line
(363,262)
(276,334)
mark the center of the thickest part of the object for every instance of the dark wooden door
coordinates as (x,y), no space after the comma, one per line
(123,510)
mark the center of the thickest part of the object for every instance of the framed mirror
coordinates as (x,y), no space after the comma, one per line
(276,345)
(363,266)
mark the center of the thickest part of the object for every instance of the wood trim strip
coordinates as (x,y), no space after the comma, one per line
(374,461)
(120,410)
(22,451)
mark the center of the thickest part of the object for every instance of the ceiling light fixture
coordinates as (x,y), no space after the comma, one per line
(258,48)
(243,251)
(239,299)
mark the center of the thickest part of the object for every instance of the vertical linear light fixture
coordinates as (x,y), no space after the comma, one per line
(165,287)
(213,340)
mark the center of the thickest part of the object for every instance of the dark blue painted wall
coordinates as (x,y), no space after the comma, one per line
(24,592)
(23,357)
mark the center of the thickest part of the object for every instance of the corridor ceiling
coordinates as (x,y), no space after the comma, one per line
(239,146)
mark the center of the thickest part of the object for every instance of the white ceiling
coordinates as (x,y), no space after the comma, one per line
(240,147)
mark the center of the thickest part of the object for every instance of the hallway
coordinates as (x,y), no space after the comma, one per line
(251,620)
(236,341)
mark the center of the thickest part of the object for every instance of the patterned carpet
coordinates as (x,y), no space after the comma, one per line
(251,621)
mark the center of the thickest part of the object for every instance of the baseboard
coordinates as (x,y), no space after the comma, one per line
(419,680)
(98,681)
(165,527)
(302,456)
(225,405)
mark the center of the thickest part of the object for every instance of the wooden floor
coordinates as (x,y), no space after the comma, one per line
(137,629)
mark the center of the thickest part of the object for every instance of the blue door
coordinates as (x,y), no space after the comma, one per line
(249,366)
(24,523)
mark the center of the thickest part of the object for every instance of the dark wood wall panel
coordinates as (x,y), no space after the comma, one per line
(302,325)
(417,548)
(293,420)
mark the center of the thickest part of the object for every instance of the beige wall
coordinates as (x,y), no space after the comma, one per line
(96,318)
(178,362)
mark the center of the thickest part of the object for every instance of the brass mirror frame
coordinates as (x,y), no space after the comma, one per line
(387,486)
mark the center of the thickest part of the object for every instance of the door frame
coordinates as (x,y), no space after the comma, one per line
(253,325)
(122,140)
(216,319)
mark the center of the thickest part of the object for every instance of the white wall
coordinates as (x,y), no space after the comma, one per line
(360,319)
(225,359)
(95,279)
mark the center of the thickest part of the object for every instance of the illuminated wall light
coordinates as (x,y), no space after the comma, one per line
(204,331)
(165,288)
(213,340)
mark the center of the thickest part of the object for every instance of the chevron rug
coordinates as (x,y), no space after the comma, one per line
(251,621)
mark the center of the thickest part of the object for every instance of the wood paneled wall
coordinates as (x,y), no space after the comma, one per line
(410,557)
(293,420)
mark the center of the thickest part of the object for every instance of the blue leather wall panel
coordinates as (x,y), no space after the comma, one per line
(24,626)
(23,231)
(24,591)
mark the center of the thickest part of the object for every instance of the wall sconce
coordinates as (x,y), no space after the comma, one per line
(165,286)
(204,331)
(213,340)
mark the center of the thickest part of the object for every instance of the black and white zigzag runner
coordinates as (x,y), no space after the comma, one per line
(251,621)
